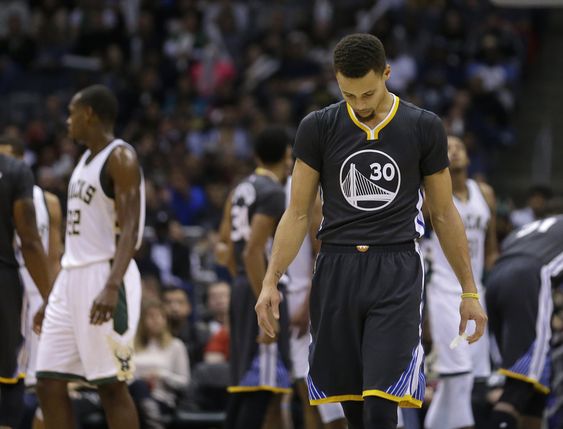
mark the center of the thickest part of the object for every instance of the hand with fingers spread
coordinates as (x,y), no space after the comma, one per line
(268,309)
(470,309)
(104,304)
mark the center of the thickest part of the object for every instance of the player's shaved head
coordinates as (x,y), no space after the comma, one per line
(357,54)
(102,102)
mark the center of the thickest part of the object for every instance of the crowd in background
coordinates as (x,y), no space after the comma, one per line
(196,80)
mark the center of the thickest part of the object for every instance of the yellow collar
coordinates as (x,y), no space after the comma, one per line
(373,133)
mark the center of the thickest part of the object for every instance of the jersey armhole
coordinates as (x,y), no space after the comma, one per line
(105,180)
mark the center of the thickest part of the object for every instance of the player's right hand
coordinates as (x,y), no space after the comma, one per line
(268,309)
(38,319)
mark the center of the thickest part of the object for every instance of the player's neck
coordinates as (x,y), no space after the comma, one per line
(98,141)
(382,110)
(273,172)
(459,183)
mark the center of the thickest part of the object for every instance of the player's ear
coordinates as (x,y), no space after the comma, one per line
(387,72)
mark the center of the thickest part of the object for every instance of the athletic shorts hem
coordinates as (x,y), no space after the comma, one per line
(337,398)
(12,380)
(537,385)
(406,401)
(59,375)
(105,380)
(454,374)
(244,389)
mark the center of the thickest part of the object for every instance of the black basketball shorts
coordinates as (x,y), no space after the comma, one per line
(11,338)
(366,310)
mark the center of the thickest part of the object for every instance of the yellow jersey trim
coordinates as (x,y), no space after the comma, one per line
(373,133)
(537,385)
(338,398)
(406,401)
(241,389)
(14,380)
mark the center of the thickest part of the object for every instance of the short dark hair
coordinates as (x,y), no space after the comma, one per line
(271,145)
(17,145)
(356,54)
(102,101)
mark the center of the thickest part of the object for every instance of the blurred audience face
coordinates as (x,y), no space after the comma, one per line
(154,321)
(218,298)
(177,304)
(457,154)
(364,94)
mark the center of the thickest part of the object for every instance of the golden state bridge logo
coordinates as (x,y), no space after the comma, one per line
(370,180)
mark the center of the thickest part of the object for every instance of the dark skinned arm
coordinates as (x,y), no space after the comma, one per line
(125,174)
(55,233)
(491,243)
(224,254)
(32,249)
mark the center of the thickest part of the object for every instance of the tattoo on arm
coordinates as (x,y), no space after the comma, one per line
(278,275)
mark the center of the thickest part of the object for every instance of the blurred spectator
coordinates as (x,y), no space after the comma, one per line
(536,203)
(218,299)
(178,310)
(217,348)
(187,201)
(161,360)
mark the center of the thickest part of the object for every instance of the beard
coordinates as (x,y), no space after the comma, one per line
(366,118)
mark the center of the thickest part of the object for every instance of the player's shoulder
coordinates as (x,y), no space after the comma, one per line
(487,191)
(416,113)
(326,116)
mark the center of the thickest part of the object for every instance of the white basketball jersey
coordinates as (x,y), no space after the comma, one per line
(42,219)
(300,270)
(475,214)
(92,227)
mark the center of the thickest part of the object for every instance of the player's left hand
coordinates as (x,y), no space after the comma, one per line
(38,319)
(104,305)
(470,309)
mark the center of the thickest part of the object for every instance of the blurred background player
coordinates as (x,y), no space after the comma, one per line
(458,367)
(17,211)
(49,223)
(520,304)
(260,365)
(92,315)
(298,287)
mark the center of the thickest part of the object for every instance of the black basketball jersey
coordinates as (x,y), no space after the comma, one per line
(371,178)
(541,240)
(16,182)
(256,194)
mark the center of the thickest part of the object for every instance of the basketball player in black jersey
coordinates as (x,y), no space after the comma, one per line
(260,365)
(16,210)
(371,153)
(520,305)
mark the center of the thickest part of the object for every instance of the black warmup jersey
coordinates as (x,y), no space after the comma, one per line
(16,182)
(371,178)
(541,240)
(255,194)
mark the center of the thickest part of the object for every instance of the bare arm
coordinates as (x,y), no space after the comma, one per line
(32,249)
(55,233)
(124,170)
(224,254)
(262,228)
(316,219)
(290,234)
(451,234)
(491,243)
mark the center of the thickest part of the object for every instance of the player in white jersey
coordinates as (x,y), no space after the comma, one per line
(297,293)
(457,367)
(93,311)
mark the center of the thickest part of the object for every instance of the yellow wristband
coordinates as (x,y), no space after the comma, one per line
(470,295)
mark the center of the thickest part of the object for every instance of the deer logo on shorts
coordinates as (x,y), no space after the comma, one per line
(123,356)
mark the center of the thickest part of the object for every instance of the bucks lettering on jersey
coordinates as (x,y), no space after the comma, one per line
(257,194)
(475,214)
(92,227)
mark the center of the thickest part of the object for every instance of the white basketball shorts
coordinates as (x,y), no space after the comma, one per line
(70,347)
